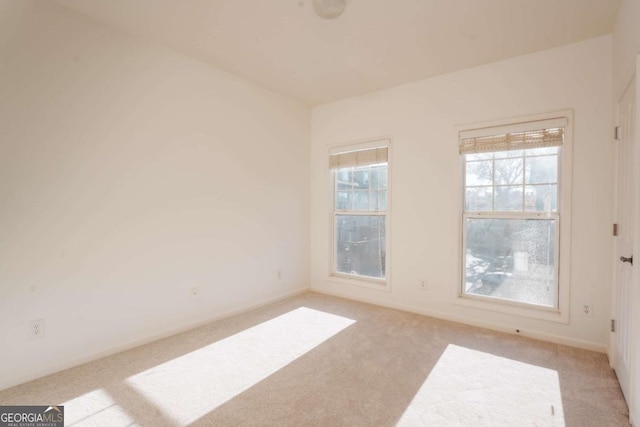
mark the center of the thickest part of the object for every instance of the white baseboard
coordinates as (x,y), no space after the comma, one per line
(52,369)
(556,339)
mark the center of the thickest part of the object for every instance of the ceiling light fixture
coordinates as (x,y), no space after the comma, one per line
(329,9)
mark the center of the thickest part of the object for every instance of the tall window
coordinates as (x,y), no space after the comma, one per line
(360,194)
(511,216)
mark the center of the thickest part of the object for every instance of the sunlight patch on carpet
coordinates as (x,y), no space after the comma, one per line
(190,386)
(96,408)
(472,388)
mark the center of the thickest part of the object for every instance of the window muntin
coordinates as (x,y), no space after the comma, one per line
(511,259)
(360,199)
(362,188)
(511,220)
(360,245)
(512,181)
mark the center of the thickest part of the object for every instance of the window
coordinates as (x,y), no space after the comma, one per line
(360,221)
(512,212)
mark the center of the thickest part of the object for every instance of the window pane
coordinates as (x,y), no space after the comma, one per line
(379,177)
(361,178)
(512,259)
(479,199)
(508,171)
(479,173)
(479,156)
(542,150)
(541,170)
(379,200)
(344,200)
(382,200)
(344,179)
(508,154)
(508,198)
(360,245)
(541,198)
(361,200)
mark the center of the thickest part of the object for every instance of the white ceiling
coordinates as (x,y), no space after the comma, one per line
(375,44)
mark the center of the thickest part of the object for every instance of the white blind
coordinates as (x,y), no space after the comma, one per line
(543,133)
(365,157)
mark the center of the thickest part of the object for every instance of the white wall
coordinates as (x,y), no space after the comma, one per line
(425,229)
(626,44)
(129,174)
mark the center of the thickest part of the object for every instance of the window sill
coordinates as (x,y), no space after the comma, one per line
(500,306)
(361,282)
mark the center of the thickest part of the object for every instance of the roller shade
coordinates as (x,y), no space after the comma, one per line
(543,133)
(365,157)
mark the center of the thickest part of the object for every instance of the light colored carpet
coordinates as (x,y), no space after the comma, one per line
(470,387)
(316,360)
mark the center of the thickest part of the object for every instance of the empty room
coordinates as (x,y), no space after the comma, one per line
(319,213)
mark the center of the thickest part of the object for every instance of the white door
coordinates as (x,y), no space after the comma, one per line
(625,207)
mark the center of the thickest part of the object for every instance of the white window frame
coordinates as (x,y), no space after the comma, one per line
(559,313)
(383,284)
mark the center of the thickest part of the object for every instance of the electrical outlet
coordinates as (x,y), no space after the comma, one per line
(423,285)
(36,329)
(194,292)
(587,309)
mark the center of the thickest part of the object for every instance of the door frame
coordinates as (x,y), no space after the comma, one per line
(634,404)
